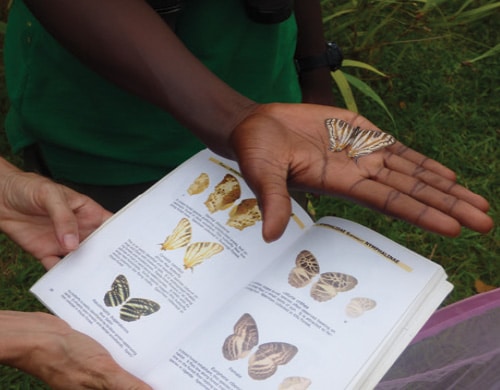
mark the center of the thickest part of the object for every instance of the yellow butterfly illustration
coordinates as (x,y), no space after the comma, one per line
(198,252)
(180,237)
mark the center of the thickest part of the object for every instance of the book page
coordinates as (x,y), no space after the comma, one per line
(339,299)
(163,264)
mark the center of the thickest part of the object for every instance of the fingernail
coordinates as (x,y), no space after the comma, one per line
(70,241)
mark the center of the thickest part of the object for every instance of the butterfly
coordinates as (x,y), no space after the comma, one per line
(131,309)
(264,362)
(328,284)
(359,142)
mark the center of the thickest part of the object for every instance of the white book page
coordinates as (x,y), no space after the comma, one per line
(330,343)
(168,291)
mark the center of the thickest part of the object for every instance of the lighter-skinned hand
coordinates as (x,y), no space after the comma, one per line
(48,348)
(46,219)
(282,146)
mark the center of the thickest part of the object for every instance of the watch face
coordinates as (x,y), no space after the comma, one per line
(334,56)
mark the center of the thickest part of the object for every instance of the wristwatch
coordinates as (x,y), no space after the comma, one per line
(332,58)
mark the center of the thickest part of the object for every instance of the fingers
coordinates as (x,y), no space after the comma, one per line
(420,160)
(49,261)
(389,200)
(428,198)
(427,174)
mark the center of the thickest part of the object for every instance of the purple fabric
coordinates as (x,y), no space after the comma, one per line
(458,348)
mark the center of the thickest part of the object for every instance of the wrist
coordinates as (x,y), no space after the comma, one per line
(14,343)
(25,337)
(330,59)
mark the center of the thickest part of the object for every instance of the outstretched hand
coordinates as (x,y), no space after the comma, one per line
(287,145)
(46,219)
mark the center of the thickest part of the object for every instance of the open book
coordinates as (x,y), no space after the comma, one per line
(182,290)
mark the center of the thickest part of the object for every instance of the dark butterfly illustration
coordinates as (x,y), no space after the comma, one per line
(131,309)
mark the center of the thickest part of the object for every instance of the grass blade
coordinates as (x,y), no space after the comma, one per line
(345,90)
(363,65)
(369,92)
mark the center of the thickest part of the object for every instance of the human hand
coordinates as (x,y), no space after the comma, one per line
(290,144)
(46,219)
(48,348)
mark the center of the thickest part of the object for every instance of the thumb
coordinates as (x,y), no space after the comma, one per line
(273,197)
(127,381)
(276,212)
(62,216)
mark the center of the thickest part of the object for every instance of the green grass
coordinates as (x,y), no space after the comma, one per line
(443,90)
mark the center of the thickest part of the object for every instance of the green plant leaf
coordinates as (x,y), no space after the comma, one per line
(3,27)
(430,4)
(345,90)
(462,16)
(368,91)
(493,51)
(363,65)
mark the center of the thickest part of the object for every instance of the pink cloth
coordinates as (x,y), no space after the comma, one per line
(458,348)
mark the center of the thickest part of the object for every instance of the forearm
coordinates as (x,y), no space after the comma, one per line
(316,84)
(16,341)
(128,43)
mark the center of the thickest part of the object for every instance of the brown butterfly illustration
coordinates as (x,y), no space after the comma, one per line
(264,362)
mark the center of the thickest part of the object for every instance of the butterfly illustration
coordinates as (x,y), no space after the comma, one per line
(359,142)
(358,305)
(131,309)
(180,237)
(264,362)
(197,252)
(328,284)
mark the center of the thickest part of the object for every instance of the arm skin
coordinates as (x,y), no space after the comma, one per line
(46,219)
(125,41)
(46,347)
(316,84)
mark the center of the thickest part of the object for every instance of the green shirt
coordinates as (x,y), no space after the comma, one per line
(92,132)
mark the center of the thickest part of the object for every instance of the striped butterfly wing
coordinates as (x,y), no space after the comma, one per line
(368,141)
(265,361)
(135,308)
(198,252)
(180,237)
(119,292)
(244,338)
(340,133)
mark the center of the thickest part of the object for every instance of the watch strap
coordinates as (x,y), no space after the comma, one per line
(331,58)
